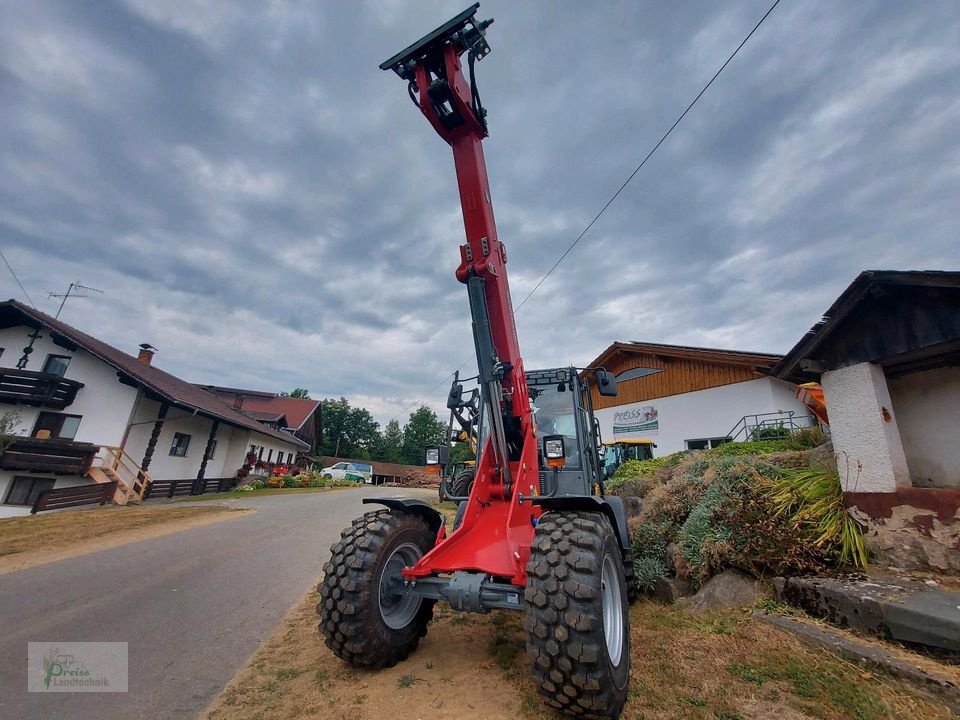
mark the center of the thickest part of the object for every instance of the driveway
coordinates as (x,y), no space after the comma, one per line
(192,605)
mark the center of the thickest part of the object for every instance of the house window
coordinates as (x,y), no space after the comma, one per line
(56,425)
(705,443)
(56,364)
(270,455)
(260,453)
(289,458)
(213,450)
(26,490)
(178,448)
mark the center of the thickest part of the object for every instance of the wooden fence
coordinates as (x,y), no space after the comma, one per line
(58,498)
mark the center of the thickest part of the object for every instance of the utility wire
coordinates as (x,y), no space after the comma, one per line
(10,268)
(625,182)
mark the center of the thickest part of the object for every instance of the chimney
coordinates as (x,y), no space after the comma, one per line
(238,402)
(146,353)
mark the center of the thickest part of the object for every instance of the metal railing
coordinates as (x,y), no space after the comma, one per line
(770,426)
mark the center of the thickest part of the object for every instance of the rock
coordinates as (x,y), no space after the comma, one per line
(669,590)
(436,703)
(675,561)
(729,589)
(632,505)
(823,456)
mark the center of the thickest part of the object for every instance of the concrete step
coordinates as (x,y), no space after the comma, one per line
(906,611)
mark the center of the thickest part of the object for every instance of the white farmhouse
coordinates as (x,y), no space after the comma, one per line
(89,412)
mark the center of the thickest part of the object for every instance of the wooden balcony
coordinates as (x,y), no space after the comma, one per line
(37,388)
(60,457)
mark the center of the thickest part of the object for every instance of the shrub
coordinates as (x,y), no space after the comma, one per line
(769,432)
(275,481)
(744,512)
(647,570)
(633,469)
(806,438)
(812,499)
(759,447)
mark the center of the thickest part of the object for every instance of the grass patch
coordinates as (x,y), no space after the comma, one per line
(728,666)
(57,530)
(408,681)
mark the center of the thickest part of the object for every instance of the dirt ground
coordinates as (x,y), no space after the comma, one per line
(40,539)
(723,667)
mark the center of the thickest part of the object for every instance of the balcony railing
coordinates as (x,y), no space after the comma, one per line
(37,388)
(60,457)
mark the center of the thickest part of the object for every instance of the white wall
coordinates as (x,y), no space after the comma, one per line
(232,444)
(927,407)
(103,402)
(864,428)
(705,413)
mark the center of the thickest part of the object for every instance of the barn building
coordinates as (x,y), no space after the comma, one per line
(691,398)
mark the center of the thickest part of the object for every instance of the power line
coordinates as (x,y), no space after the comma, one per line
(625,182)
(10,268)
(648,156)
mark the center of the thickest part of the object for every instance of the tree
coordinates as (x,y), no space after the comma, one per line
(391,443)
(9,422)
(301,393)
(460,452)
(334,414)
(348,431)
(422,429)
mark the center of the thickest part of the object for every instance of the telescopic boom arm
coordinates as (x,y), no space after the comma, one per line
(451,103)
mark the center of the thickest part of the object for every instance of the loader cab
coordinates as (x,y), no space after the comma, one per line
(617,452)
(561,407)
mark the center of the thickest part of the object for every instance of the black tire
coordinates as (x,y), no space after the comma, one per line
(458,518)
(630,577)
(359,624)
(462,484)
(577,670)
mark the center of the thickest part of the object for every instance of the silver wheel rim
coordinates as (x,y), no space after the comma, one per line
(612,609)
(398,610)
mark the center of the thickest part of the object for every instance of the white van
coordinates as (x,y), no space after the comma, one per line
(361,472)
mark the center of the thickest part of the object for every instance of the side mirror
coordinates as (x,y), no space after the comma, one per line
(606,383)
(455,398)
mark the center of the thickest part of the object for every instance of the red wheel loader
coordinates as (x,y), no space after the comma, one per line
(536,534)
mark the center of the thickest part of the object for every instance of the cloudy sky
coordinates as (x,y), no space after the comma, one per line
(264,205)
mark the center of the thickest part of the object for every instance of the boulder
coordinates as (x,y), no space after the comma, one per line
(729,589)
(669,590)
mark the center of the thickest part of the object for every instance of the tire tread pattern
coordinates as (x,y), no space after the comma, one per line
(349,606)
(565,637)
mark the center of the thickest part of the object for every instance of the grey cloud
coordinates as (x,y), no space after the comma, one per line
(266,206)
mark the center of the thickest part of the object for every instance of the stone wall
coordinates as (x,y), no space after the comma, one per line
(912,528)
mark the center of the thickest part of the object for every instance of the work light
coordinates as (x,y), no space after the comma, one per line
(554,450)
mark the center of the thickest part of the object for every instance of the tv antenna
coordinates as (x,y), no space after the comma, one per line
(71,292)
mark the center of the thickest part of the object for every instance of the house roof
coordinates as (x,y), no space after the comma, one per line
(296,410)
(152,378)
(270,417)
(762,361)
(865,286)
